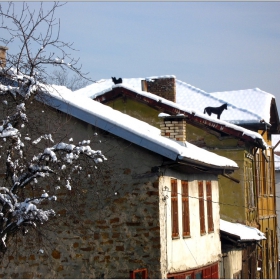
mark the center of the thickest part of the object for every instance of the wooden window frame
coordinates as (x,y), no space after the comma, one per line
(201,207)
(269,176)
(209,200)
(264,175)
(143,271)
(258,173)
(174,209)
(249,184)
(185,208)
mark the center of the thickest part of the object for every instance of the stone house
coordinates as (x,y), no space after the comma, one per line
(243,134)
(152,210)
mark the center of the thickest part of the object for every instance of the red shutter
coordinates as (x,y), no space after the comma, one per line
(174,208)
(185,209)
(215,271)
(209,206)
(201,207)
(207,273)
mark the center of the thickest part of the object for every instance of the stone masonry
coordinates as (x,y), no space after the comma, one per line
(106,226)
(162,86)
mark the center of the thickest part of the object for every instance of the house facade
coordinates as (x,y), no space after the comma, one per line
(151,210)
(243,134)
(238,243)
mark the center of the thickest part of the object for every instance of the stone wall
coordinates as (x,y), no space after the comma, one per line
(107,225)
(162,86)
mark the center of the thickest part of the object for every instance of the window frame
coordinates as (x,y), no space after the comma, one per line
(143,271)
(201,208)
(210,221)
(185,209)
(174,208)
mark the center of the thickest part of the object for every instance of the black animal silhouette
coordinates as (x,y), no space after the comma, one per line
(215,110)
(117,81)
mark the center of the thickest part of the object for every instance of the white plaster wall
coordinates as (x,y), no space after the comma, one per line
(232,263)
(197,250)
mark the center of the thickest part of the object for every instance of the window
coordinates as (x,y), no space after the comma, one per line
(201,207)
(174,208)
(249,185)
(209,206)
(139,274)
(185,209)
(269,175)
(264,168)
(258,174)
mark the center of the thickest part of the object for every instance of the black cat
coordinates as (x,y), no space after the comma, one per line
(117,81)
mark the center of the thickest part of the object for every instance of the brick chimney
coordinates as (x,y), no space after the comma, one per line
(173,127)
(164,86)
(3,56)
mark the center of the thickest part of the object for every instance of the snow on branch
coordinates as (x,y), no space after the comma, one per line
(29,166)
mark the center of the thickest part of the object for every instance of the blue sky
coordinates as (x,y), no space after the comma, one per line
(215,46)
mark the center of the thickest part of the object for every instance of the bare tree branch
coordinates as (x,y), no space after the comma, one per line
(31,166)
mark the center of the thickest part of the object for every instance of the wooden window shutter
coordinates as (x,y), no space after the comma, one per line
(215,271)
(207,273)
(209,206)
(174,208)
(185,208)
(201,207)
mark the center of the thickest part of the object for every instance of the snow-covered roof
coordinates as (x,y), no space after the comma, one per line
(198,101)
(244,106)
(275,139)
(254,103)
(243,232)
(132,129)
(276,162)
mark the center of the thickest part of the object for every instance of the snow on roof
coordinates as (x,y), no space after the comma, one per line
(253,101)
(199,98)
(245,233)
(244,106)
(276,162)
(275,139)
(131,129)
(104,85)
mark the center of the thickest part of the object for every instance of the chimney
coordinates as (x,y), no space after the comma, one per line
(164,86)
(3,56)
(173,127)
